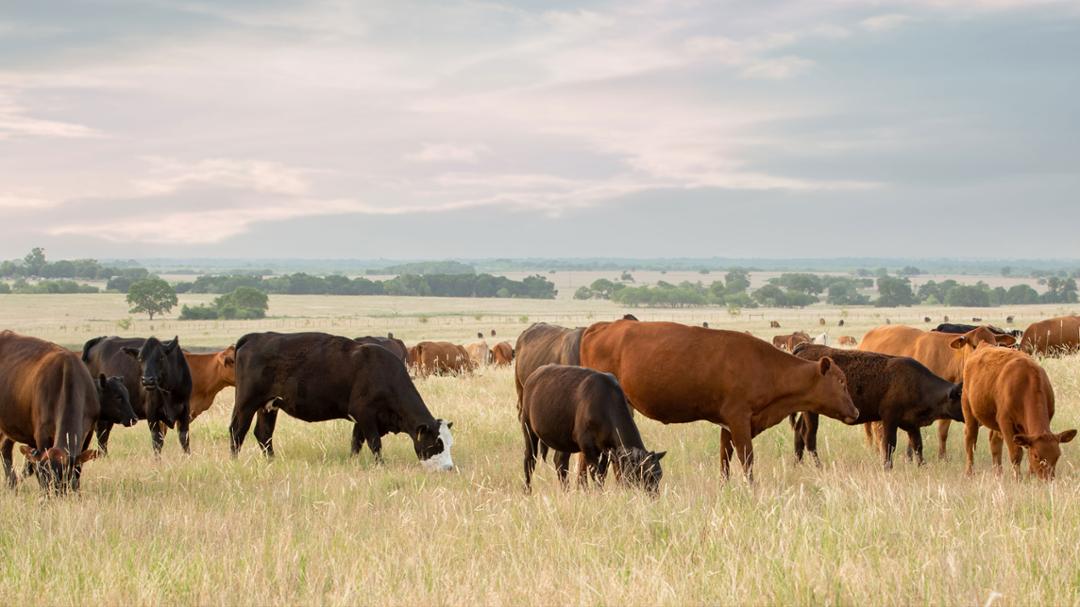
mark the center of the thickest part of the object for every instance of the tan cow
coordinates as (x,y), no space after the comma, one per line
(439,358)
(479,353)
(210,374)
(670,372)
(788,342)
(502,354)
(1053,336)
(847,340)
(943,353)
(1009,393)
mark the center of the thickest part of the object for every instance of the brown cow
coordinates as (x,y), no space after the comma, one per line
(439,358)
(847,340)
(1052,337)
(479,353)
(50,403)
(671,373)
(502,354)
(942,353)
(1009,393)
(210,374)
(396,346)
(774,324)
(788,342)
(542,344)
(821,321)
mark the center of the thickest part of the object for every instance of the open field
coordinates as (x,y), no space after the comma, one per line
(316,526)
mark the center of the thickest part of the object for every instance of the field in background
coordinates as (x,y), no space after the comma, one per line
(316,526)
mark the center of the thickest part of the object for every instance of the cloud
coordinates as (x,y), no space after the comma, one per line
(15,122)
(21,202)
(448,152)
(882,23)
(777,68)
(170,175)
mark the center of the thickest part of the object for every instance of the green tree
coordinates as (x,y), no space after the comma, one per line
(736,281)
(893,292)
(35,261)
(151,296)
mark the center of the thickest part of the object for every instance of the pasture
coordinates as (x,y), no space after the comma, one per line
(317,526)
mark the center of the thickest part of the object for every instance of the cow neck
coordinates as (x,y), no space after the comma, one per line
(1036,415)
(775,410)
(410,413)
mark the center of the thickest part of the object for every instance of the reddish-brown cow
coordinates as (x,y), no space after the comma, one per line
(675,374)
(210,373)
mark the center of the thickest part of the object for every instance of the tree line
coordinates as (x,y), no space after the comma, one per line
(433,285)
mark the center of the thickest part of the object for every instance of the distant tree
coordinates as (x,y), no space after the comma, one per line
(34,262)
(583,293)
(1021,294)
(1006,271)
(4,288)
(736,281)
(909,271)
(971,296)
(626,277)
(151,296)
(893,292)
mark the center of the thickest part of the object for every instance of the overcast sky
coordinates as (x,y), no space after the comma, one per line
(253,128)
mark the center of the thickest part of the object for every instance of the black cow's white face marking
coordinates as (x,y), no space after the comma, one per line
(441,460)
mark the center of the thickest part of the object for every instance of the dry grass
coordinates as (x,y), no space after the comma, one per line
(316,526)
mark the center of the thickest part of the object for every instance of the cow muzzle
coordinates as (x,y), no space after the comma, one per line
(131,422)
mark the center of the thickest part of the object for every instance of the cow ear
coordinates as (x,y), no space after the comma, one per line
(1006,340)
(825,364)
(88,455)
(1066,436)
(103,381)
(958,343)
(57,455)
(1023,440)
(132,352)
(449,425)
(421,429)
(173,345)
(659,455)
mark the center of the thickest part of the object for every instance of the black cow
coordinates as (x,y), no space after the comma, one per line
(318,377)
(958,329)
(542,344)
(895,390)
(396,346)
(573,409)
(157,377)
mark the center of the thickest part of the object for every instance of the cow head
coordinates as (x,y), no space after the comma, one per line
(969,341)
(432,443)
(227,359)
(640,468)
(829,394)
(115,401)
(55,469)
(1044,451)
(153,360)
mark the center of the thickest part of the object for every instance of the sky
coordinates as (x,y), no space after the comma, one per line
(634,128)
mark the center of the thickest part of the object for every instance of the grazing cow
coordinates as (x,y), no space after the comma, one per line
(705,324)
(945,318)
(1008,320)
(210,374)
(774,324)
(926,319)
(788,342)
(439,358)
(479,353)
(841,323)
(821,321)
(493,332)
(396,346)
(942,353)
(318,377)
(572,410)
(156,375)
(668,375)
(897,391)
(502,354)
(1009,393)
(957,329)
(629,317)
(847,340)
(976,319)
(1052,337)
(50,403)
(821,340)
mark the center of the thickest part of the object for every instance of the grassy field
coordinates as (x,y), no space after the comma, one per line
(315,526)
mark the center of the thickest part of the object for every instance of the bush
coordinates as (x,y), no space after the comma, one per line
(244,303)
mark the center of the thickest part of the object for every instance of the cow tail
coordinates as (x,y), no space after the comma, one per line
(90,346)
(70,398)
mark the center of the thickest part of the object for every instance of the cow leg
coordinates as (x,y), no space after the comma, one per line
(726,449)
(1016,452)
(996,443)
(915,446)
(943,437)
(357,439)
(371,434)
(102,431)
(797,420)
(532,447)
(601,467)
(888,444)
(183,426)
(9,466)
(157,435)
(562,466)
(588,462)
(971,435)
(868,428)
(265,421)
(242,416)
(810,428)
(744,447)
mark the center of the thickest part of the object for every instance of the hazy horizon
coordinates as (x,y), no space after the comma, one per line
(461,130)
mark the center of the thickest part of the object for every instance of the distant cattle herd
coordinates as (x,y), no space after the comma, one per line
(576,389)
